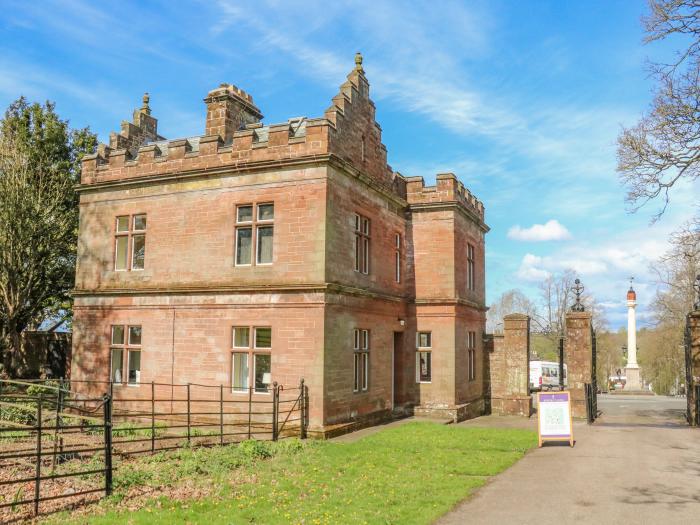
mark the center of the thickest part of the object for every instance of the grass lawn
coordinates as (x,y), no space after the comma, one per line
(411,473)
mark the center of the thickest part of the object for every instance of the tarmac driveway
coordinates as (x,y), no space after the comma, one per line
(638,464)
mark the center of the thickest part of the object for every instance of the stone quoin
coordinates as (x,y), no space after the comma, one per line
(274,252)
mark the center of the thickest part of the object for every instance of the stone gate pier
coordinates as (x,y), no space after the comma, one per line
(578,352)
(510,367)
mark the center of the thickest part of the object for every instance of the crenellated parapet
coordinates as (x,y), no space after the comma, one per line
(252,145)
(447,190)
(235,137)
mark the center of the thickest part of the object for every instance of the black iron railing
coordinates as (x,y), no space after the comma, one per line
(46,425)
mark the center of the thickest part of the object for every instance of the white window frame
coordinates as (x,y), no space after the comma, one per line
(254,368)
(244,225)
(471,282)
(471,356)
(424,350)
(397,258)
(255,224)
(361,349)
(129,235)
(128,366)
(247,354)
(362,243)
(252,350)
(126,347)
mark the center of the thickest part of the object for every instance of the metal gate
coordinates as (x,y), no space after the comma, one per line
(692,391)
(591,389)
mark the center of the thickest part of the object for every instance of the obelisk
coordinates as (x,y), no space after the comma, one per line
(632,368)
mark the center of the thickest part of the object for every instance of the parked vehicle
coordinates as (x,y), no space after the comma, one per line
(544,375)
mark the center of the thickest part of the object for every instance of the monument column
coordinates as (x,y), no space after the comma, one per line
(632,369)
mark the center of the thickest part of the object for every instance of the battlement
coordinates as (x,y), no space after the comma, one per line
(234,136)
(447,189)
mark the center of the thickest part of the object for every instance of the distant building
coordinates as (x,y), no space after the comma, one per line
(258,253)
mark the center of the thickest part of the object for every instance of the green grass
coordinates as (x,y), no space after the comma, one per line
(409,474)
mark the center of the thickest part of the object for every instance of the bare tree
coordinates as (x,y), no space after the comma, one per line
(557,297)
(661,349)
(510,302)
(676,271)
(664,147)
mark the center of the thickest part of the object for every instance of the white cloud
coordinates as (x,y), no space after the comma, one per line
(551,230)
(531,269)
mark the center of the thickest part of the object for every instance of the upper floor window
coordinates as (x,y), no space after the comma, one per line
(470,267)
(125,342)
(471,355)
(397,257)
(361,360)
(130,242)
(362,232)
(254,233)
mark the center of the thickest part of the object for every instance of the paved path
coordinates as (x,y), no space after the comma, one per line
(638,464)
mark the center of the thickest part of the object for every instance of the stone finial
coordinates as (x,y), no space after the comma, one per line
(145,107)
(358,62)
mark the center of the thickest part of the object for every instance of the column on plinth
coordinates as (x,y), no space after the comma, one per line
(634,381)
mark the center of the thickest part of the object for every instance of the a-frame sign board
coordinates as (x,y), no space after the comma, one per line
(554,420)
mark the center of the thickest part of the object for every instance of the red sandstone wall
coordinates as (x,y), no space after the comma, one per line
(188,339)
(433,248)
(190,232)
(343,314)
(347,195)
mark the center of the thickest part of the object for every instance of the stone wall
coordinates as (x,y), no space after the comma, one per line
(510,368)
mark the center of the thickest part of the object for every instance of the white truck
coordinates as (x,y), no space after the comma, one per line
(544,375)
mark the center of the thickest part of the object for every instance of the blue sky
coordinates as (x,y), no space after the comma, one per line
(522,100)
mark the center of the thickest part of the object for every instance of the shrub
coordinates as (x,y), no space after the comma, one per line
(21,413)
(255,449)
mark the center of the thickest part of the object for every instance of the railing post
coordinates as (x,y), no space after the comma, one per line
(221,414)
(250,409)
(107,405)
(153,417)
(302,411)
(275,409)
(59,403)
(37,478)
(188,413)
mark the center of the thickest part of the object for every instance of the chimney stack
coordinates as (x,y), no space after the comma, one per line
(228,110)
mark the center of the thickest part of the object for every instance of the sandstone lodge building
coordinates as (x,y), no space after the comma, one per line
(258,253)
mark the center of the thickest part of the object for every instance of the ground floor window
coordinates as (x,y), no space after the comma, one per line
(251,359)
(471,355)
(360,360)
(240,372)
(262,373)
(117,365)
(424,372)
(125,342)
(424,368)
